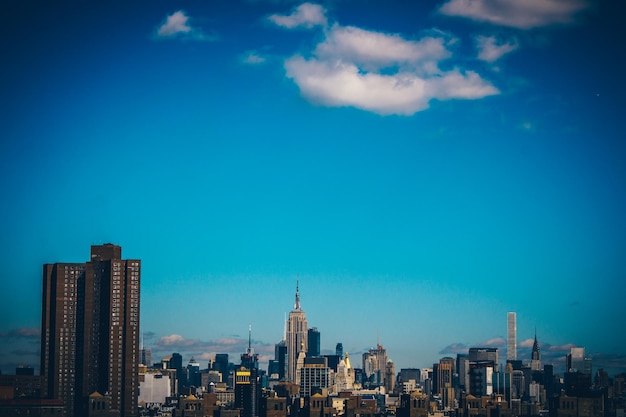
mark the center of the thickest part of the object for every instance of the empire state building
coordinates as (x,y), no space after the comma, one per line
(297,337)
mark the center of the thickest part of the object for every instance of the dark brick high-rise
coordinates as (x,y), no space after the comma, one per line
(90,331)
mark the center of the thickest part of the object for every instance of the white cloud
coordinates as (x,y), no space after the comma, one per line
(381,73)
(174,24)
(490,49)
(454,348)
(495,342)
(377,50)
(253,58)
(177,25)
(562,348)
(174,340)
(521,14)
(527,343)
(307,15)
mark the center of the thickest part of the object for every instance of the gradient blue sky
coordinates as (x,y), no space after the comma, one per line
(423,167)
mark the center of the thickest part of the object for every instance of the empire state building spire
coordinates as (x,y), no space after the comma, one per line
(296,306)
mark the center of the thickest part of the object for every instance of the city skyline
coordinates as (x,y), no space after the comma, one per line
(420,168)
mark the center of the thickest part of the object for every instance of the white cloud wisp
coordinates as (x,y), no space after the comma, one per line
(307,15)
(526,14)
(491,50)
(177,25)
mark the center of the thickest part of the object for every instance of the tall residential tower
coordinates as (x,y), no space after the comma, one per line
(511,339)
(90,332)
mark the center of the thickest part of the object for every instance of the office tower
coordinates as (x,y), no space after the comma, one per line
(462,367)
(408,374)
(145,354)
(90,331)
(193,374)
(155,385)
(511,345)
(221,365)
(390,376)
(176,363)
(484,354)
(535,363)
(576,361)
(481,378)
(445,373)
(247,391)
(374,363)
(333,361)
(280,356)
(314,342)
(339,350)
(314,375)
(297,337)
(518,384)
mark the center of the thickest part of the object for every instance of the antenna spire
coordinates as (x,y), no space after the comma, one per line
(296,306)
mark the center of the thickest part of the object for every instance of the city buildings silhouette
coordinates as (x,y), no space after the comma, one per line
(92,365)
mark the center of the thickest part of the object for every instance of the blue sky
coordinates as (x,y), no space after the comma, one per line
(421,167)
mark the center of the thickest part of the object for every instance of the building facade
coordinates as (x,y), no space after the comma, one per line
(90,331)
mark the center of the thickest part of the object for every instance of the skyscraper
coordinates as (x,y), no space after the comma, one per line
(339,350)
(280,356)
(297,337)
(90,331)
(511,345)
(535,363)
(314,341)
(374,365)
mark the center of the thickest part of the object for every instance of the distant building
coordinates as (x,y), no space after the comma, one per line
(462,368)
(481,354)
(314,342)
(145,356)
(221,365)
(297,337)
(535,363)
(176,362)
(445,374)
(344,377)
(247,392)
(280,356)
(190,406)
(374,365)
(339,350)
(193,374)
(25,386)
(576,361)
(155,385)
(314,375)
(250,359)
(407,374)
(481,378)
(24,370)
(390,377)
(90,331)
(414,404)
(273,407)
(511,340)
